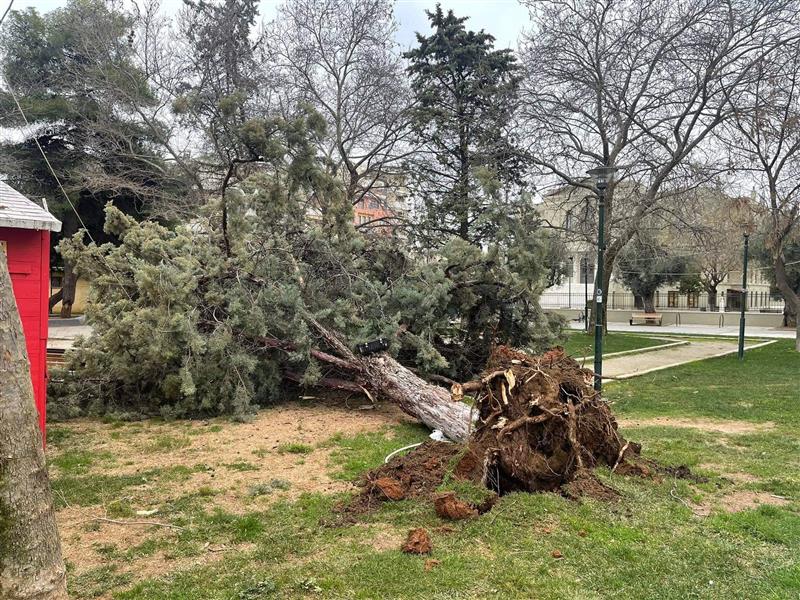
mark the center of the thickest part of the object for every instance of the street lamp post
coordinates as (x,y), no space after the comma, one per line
(585,260)
(743,298)
(602,176)
(571,269)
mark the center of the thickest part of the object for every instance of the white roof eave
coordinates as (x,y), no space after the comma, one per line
(18,212)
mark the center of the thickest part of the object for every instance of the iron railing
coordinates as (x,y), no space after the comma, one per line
(730,301)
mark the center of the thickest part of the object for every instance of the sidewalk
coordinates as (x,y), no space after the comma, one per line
(62,332)
(647,362)
(728,330)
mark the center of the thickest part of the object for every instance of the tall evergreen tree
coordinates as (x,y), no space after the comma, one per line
(59,66)
(466,94)
(468,180)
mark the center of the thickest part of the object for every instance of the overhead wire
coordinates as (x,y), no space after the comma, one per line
(58,180)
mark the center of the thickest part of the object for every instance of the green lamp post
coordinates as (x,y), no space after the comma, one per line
(602,177)
(743,299)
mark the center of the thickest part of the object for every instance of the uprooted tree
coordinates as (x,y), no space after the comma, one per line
(186,324)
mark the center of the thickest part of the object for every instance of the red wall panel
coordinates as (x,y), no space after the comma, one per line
(28,253)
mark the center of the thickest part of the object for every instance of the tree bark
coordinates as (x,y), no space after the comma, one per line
(384,377)
(431,404)
(68,285)
(31,566)
(712,298)
(649,303)
(790,297)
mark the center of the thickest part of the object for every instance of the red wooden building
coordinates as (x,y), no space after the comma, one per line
(25,236)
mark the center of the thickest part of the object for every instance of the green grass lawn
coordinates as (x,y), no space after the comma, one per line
(580,344)
(650,544)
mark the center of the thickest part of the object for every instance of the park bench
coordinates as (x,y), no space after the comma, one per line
(646,318)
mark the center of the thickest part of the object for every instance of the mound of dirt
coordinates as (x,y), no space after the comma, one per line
(416,474)
(417,542)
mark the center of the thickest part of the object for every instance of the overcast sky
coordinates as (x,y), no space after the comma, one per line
(504,19)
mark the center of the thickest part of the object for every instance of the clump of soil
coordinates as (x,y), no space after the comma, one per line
(541,425)
(416,474)
(447,506)
(418,542)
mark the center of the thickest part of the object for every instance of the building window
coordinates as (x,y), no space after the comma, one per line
(363,219)
(568,221)
(672,299)
(692,299)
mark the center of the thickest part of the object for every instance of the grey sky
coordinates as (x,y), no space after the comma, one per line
(504,19)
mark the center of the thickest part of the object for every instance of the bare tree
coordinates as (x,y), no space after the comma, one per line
(31,566)
(340,57)
(716,238)
(639,86)
(764,137)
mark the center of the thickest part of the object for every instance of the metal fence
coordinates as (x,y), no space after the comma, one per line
(730,301)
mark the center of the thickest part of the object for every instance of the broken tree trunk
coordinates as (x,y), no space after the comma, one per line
(383,376)
(431,404)
(31,566)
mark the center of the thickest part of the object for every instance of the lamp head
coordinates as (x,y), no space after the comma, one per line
(602,176)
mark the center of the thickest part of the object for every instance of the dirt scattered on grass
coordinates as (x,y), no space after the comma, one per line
(746,500)
(708,425)
(417,542)
(588,485)
(431,563)
(416,474)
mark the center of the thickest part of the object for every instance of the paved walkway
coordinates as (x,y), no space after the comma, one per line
(727,331)
(62,332)
(646,362)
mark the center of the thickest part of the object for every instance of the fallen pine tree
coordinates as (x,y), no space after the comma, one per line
(183,329)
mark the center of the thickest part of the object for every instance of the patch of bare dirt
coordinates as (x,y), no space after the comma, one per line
(710,425)
(235,460)
(734,476)
(746,500)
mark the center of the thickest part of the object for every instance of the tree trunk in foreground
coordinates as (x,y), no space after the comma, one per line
(31,567)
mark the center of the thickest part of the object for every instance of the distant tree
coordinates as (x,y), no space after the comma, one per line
(57,65)
(641,86)
(764,139)
(716,237)
(31,566)
(340,57)
(469,163)
(646,265)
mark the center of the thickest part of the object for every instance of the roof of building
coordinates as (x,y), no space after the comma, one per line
(20,213)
